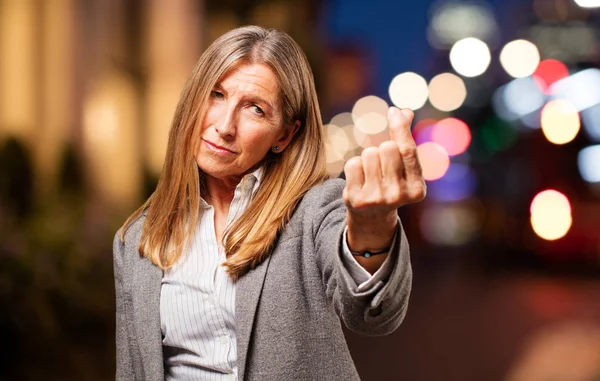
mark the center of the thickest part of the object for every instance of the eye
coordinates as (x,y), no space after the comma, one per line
(257,110)
(216,94)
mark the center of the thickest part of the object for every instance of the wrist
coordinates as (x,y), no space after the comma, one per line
(371,234)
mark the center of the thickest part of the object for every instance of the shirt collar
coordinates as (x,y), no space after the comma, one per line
(251,182)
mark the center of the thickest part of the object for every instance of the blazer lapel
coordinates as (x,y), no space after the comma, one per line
(146,312)
(248,290)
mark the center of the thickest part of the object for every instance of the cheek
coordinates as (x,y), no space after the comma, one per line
(212,115)
(260,138)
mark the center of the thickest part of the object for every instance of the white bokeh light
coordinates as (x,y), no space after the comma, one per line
(587,162)
(470,57)
(588,3)
(519,58)
(370,114)
(409,90)
(522,96)
(582,88)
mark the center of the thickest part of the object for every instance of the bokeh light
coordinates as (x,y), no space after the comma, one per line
(560,121)
(422,130)
(550,215)
(588,162)
(522,96)
(548,72)
(450,224)
(452,134)
(580,88)
(434,160)
(343,119)
(452,21)
(408,90)
(447,92)
(470,57)
(370,114)
(591,122)
(337,143)
(457,184)
(519,58)
(588,3)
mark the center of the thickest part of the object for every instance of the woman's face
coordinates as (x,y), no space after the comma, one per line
(243,122)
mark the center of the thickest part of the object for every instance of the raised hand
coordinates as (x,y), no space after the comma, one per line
(380,181)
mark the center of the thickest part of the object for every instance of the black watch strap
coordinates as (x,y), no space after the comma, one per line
(368,254)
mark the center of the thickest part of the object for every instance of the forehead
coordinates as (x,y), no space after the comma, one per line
(255,77)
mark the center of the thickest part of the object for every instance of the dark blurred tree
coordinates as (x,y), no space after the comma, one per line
(16,179)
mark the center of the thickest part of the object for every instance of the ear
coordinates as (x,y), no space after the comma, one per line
(287,133)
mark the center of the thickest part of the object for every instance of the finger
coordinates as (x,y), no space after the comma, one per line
(355,178)
(371,167)
(399,121)
(391,162)
(413,173)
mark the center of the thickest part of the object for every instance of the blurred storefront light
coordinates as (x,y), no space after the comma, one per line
(452,134)
(434,160)
(409,90)
(569,42)
(550,213)
(519,58)
(450,224)
(560,121)
(370,114)
(18,90)
(588,162)
(582,89)
(549,72)
(110,139)
(470,57)
(452,21)
(447,92)
(457,184)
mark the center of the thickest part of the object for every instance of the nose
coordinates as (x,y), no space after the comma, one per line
(226,123)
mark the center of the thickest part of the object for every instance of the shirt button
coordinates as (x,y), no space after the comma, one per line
(230,377)
(224,340)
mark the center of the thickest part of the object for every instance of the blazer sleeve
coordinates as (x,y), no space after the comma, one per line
(377,310)
(124,364)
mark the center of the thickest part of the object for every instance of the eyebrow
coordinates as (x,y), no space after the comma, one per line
(251,97)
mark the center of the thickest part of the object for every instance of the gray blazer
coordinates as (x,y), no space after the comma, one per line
(288,309)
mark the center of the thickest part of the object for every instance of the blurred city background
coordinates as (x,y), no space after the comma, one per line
(506,247)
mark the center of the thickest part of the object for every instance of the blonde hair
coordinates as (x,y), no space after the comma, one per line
(172,211)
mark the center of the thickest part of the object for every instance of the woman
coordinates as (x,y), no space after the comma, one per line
(245,258)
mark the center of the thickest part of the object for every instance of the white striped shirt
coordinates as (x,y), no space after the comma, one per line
(197,300)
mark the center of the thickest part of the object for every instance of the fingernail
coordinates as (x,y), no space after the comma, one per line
(407,113)
(393,113)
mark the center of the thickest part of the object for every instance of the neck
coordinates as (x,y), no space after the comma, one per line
(221,191)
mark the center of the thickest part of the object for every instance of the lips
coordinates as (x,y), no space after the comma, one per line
(217,147)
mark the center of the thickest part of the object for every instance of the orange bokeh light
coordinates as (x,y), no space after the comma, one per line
(560,121)
(550,215)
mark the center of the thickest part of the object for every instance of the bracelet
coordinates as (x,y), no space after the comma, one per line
(368,254)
